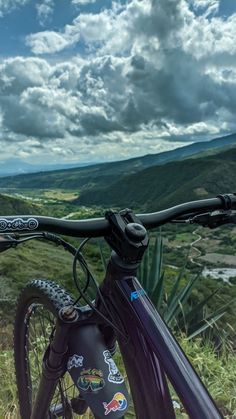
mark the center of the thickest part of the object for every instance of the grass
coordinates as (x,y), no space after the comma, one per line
(60,195)
(37,259)
(8,400)
(33,260)
(217,371)
(184,238)
(40,260)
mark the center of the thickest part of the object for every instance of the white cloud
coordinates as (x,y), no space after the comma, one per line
(208,39)
(50,42)
(7,6)
(17,74)
(156,75)
(209,7)
(44,11)
(82,2)
(95,27)
(1,121)
(46,42)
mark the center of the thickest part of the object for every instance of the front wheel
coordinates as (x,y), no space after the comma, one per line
(36,316)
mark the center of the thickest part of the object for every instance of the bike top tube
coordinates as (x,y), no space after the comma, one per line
(99,227)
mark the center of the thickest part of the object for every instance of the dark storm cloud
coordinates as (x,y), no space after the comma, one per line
(94,124)
(156,70)
(169,81)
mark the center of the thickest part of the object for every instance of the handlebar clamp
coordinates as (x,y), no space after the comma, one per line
(128,237)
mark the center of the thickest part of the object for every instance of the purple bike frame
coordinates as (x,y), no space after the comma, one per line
(152,353)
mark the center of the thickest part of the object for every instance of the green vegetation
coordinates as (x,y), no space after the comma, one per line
(174,300)
(10,205)
(217,372)
(42,260)
(161,186)
(57,203)
(103,175)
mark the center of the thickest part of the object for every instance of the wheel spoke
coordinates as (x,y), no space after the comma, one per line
(35,326)
(40,331)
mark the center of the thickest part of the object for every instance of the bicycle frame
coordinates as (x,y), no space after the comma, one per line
(151,351)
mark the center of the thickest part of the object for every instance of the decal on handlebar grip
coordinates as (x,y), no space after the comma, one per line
(18,224)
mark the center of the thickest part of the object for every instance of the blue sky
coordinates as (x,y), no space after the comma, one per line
(97,80)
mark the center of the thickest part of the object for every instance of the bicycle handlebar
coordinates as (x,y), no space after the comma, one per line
(99,227)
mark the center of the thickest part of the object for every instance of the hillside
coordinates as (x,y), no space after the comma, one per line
(13,206)
(105,174)
(161,186)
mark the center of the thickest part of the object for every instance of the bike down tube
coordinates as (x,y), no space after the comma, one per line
(153,350)
(147,380)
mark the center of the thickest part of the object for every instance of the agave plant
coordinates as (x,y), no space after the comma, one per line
(176,307)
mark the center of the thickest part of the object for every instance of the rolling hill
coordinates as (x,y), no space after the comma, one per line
(105,174)
(162,186)
(14,206)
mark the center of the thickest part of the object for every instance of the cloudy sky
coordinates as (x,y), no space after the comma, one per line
(95,80)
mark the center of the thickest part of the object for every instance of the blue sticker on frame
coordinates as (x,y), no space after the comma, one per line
(136,294)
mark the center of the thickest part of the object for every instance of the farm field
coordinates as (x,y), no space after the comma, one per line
(42,196)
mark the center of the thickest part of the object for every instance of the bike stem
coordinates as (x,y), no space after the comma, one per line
(128,237)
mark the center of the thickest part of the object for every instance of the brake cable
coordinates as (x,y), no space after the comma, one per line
(12,240)
(8,241)
(214,219)
(210,219)
(79,257)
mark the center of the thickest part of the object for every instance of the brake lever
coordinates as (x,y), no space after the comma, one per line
(214,219)
(6,242)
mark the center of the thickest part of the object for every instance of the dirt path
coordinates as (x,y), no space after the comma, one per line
(198,252)
(68,216)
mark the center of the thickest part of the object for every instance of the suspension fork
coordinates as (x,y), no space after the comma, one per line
(54,362)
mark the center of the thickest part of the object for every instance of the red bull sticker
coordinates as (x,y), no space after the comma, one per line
(118,402)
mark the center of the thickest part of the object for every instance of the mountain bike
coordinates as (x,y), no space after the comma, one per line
(64,349)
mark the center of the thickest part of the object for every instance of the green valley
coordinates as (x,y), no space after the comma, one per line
(88,192)
(162,186)
(105,174)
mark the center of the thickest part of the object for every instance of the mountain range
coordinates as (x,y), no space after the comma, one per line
(158,187)
(146,183)
(104,174)
(16,166)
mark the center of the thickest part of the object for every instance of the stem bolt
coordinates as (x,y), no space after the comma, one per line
(135,231)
